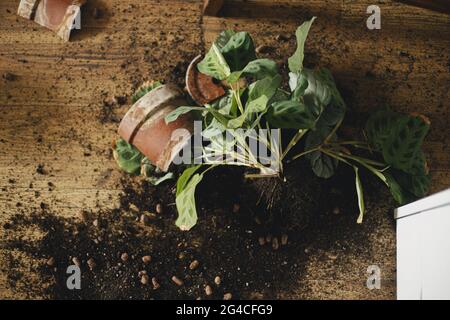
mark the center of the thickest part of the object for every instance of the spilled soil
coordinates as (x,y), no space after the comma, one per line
(226,243)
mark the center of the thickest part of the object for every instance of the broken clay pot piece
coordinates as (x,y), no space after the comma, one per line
(144,125)
(56,15)
(202,87)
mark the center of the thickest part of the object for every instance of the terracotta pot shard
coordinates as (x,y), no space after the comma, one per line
(56,15)
(144,125)
(202,87)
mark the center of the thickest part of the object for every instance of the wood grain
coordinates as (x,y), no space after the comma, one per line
(53,112)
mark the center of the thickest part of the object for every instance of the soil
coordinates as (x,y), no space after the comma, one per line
(224,242)
(60,112)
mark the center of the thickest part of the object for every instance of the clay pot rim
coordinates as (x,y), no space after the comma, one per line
(176,94)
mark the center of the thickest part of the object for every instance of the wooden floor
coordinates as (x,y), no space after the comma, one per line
(52,113)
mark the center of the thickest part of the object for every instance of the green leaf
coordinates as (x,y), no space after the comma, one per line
(399,137)
(214,64)
(290,115)
(402,149)
(227,105)
(185,177)
(264,87)
(259,69)
(128,158)
(380,126)
(224,37)
(359,192)
(144,89)
(318,91)
(400,194)
(185,201)
(296,61)
(260,92)
(323,165)
(298,85)
(239,51)
(406,187)
(152,174)
(175,114)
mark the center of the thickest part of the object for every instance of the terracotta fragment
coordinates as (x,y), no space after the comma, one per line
(200,86)
(57,15)
(144,125)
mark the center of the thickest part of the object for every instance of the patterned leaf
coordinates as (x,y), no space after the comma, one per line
(399,137)
(259,69)
(185,201)
(224,37)
(402,149)
(128,158)
(239,51)
(290,115)
(214,64)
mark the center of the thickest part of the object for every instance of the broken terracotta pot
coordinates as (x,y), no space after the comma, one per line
(201,87)
(57,15)
(144,125)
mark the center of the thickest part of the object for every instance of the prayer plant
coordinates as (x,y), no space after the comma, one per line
(309,112)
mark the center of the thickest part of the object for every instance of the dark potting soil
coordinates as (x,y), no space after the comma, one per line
(224,242)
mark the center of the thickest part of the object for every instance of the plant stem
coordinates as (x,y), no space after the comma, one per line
(293,142)
(361,161)
(304,153)
(333,131)
(237,96)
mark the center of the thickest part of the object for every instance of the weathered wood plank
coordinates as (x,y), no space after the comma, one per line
(50,113)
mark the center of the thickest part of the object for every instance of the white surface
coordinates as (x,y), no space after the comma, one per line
(423,249)
(436,200)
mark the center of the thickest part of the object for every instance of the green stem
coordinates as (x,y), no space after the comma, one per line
(304,153)
(356,144)
(237,96)
(333,131)
(361,161)
(293,142)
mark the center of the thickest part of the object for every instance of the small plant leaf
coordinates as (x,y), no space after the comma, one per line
(128,158)
(259,69)
(380,125)
(402,149)
(224,37)
(399,193)
(322,164)
(260,92)
(290,115)
(152,174)
(359,192)
(178,112)
(406,187)
(296,61)
(214,64)
(239,51)
(185,201)
(185,177)
(399,137)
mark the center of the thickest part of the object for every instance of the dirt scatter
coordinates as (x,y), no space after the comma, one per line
(223,248)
